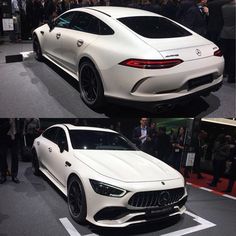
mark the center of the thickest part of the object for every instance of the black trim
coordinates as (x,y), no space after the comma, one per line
(67,127)
(115,213)
(99,11)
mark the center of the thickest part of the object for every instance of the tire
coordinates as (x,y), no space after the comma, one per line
(35,164)
(76,200)
(91,88)
(37,49)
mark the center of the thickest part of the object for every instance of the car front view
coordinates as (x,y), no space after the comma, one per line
(107,180)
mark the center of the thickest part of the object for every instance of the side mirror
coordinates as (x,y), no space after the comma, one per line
(51,24)
(62,146)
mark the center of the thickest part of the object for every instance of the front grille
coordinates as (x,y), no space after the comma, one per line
(194,83)
(156,198)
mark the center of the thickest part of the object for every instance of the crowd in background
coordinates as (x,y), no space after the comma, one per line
(172,147)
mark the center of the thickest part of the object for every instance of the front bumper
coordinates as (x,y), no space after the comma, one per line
(122,217)
(126,210)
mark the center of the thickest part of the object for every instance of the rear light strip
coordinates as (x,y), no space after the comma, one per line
(151,64)
(218,53)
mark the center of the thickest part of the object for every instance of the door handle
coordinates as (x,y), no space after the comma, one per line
(80,42)
(58,35)
(50,149)
(67,164)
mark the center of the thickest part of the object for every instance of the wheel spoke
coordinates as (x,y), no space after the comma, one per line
(89,84)
(75,199)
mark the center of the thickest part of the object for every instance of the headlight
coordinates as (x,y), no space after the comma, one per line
(107,189)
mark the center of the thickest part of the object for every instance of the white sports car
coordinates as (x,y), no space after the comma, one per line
(106,179)
(130,55)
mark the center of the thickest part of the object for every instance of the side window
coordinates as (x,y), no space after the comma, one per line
(61,138)
(64,20)
(86,23)
(105,29)
(50,134)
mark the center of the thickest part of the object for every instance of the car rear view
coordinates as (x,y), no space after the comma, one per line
(189,65)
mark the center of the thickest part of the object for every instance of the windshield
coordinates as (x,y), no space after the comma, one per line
(154,27)
(99,140)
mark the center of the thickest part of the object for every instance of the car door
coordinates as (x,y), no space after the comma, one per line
(59,162)
(84,29)
(53,43)
(45,146)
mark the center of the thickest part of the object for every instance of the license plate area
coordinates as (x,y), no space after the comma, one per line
(194,83)
(159,212)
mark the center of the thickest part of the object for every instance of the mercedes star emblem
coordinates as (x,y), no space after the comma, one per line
(164,198)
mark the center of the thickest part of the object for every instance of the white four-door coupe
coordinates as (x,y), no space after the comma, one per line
(127,54)
(106,179)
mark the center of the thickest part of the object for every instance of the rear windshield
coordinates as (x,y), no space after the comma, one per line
(154,27)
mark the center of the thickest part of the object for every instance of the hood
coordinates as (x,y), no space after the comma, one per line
(127,166)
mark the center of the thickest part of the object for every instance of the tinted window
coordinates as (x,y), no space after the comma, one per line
(64,20)
(98,140)
(61,137)
(86,23)
(50,134)
(154,27)
(105,29)
(90,24)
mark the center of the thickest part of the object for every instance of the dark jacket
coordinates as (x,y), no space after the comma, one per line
(190,16)
(4,128)
(220,151)
(215,19)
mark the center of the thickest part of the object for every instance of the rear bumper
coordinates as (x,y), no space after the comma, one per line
(150,106)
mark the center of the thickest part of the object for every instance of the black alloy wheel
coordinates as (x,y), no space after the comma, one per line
(76,200)
(35,164)
(37,49)
(91,89)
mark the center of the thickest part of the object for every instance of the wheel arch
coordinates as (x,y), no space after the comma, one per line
(71,175)
(90,59)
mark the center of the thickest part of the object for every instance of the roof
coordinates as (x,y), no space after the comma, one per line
(73,127)
(118,12)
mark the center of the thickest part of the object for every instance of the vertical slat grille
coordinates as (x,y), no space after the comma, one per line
(156,198)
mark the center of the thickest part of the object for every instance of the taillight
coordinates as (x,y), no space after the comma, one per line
(151,64)
(218,53)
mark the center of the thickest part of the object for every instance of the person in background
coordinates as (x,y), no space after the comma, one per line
(178,147)
(163,145)
(4,129)
(220,154)
(228,39)
(193,15)
(232,171)
(215,20)
(15,36)
(31,130)
(141,136)
(153,136)
(169,8)
(9,134)
(34,9)
(200,147)
(49,10)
